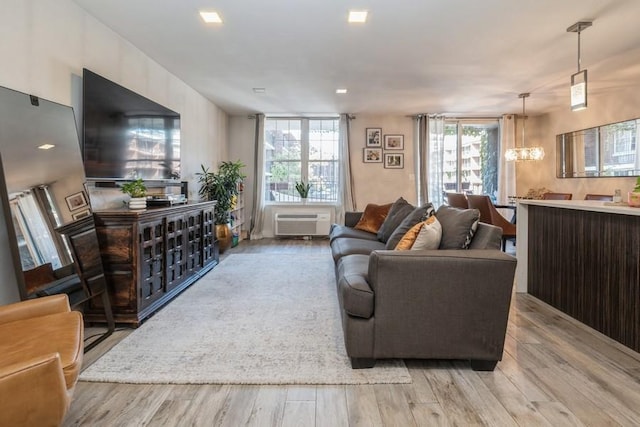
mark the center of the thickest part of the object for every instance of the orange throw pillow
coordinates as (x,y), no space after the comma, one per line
(410,236)
(373,217)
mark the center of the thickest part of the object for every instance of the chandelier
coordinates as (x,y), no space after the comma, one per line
(523,153)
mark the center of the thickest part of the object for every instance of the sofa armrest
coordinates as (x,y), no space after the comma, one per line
(352,218)
(444,299)
(33,392)
(34,308)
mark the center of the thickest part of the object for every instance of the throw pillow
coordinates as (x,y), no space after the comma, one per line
(373,217)
(458,226)
(417,215)
(409,238)
(399,210)
(429,236)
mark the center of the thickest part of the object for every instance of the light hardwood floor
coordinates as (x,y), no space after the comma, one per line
(554,372)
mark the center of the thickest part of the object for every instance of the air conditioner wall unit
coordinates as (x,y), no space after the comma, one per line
(302,224)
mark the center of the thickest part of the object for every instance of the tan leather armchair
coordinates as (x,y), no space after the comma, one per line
(41,350)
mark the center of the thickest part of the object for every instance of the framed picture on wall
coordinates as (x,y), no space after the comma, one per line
(394,142)
(372,155)
(374,137)
(76,201)
(82,214)
(393,160)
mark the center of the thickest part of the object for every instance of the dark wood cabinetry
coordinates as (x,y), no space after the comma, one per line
(585,264)
(150,256)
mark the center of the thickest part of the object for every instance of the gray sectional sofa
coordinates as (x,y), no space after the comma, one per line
(423,304)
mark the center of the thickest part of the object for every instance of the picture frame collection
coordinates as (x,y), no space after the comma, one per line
(386,150)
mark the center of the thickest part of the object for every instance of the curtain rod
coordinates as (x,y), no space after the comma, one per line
(415,116)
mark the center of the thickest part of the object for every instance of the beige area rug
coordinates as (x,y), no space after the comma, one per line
(254,319)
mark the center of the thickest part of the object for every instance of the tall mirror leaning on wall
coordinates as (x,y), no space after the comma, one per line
(45,200)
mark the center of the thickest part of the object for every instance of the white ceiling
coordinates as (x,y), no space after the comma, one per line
(460,57)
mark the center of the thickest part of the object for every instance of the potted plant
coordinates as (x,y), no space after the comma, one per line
(221,186)
(137,192)
(634,196)
(303,190)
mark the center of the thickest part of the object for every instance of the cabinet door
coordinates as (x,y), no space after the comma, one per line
(194,241)
(176,250)
(152,279)
(209,242)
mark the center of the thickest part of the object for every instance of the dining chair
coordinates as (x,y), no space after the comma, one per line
(490,215)
(603,197)
(557,196)
(457,200)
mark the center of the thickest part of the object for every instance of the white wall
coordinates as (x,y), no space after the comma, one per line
(45,45)
(604,108)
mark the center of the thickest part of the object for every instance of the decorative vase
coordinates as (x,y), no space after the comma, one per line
(304,200)
(634,199)
(137,203)
(223,234)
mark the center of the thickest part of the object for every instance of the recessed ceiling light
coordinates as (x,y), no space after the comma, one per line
(358,16)
(46,146)
(259,90)
(211,17)
(341,91)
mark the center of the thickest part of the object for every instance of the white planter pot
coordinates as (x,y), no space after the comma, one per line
(136,203)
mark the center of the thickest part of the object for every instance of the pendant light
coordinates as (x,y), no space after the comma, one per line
(579,79)
(523,153)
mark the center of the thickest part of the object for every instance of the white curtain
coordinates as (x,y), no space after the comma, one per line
(506,170)
(420,149)
(345,201)
(435,159)
(34,231)
(257,217)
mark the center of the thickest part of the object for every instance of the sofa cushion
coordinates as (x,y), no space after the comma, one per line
(458,226)
(409,237)
(373,217)
(399,210)
(351,245)
(338,231)
(355,294)
(429,236)
(417,215)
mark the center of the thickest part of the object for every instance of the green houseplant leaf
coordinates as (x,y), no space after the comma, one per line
(303,189)
(135,188)
(221,186)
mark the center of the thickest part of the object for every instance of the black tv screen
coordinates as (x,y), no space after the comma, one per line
(125,135)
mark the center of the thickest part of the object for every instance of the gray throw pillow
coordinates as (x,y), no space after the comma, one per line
(415,216)
(458,226)
(399,210)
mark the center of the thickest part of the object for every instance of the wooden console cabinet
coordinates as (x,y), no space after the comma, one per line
(152,255)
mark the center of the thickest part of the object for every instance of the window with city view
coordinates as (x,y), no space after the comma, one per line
(470,158)
(301,149)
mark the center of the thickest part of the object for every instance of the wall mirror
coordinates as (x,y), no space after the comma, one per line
(49,218)
(604,151)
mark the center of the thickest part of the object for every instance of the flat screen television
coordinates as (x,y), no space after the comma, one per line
(125,135)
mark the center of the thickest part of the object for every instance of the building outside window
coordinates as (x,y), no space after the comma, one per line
(301,149)
(471,151)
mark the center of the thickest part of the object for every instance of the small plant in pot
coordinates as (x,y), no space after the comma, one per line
(303,190)
(138,193)
(634,196)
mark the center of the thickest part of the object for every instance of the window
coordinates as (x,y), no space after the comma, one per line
(471,151)
(301,149)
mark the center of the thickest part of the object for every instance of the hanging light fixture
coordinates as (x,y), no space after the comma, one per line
(579,79)
(523,153)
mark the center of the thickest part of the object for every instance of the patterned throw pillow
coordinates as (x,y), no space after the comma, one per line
(373,217)
(458,226)
(429,236)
